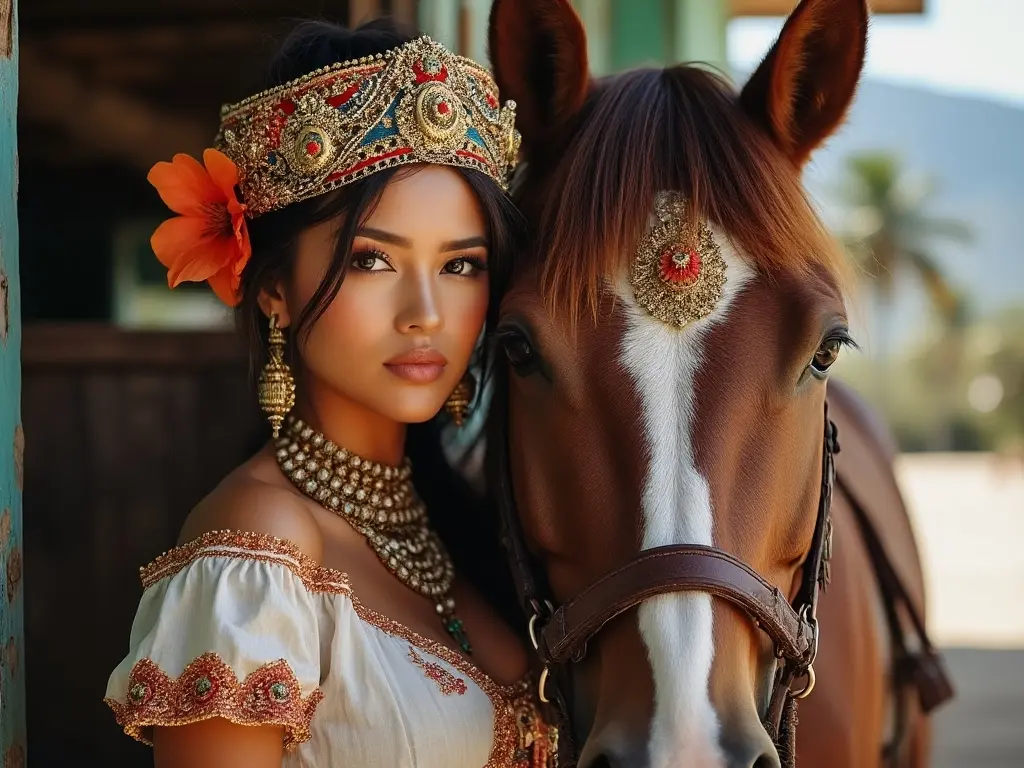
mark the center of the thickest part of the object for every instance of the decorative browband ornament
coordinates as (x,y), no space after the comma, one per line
(418,103)
(678,272)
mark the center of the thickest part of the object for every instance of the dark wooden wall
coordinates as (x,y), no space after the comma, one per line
(125,432)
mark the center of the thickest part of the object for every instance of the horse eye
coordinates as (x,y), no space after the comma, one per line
(826,355)
(518,349)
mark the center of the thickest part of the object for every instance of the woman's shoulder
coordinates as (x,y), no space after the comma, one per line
(249,501)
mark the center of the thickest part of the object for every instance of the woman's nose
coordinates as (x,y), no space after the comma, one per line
(421,310)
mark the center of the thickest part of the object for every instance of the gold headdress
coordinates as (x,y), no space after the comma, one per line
(415,104)
(418,103)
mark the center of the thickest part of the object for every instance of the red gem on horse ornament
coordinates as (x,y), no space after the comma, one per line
(679,266)
(678,272)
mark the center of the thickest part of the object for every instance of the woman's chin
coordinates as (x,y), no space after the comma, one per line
(413,408)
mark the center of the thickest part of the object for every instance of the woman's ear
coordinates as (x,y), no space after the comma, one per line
(272,301)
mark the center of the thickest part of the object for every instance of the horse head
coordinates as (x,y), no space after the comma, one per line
(668,341)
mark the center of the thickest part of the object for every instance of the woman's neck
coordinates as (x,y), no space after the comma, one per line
(351,425)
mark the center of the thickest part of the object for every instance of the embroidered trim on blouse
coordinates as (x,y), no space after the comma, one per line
(246,545)
(207,688)
(521,737)
(446,681)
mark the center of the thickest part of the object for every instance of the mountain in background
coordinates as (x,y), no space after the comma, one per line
(974,150)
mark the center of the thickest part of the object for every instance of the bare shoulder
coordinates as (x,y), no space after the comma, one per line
(244,502)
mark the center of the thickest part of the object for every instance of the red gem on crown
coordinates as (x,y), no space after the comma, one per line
(678,266)
(443,108)
(312,148)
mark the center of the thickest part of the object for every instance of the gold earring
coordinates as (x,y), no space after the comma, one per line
(457,404)
(277,387)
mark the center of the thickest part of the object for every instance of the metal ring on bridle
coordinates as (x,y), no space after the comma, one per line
(532,627)
(803,694)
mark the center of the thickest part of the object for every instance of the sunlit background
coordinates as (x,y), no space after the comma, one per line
(136,401)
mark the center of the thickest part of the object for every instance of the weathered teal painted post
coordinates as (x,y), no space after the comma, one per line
(12,441)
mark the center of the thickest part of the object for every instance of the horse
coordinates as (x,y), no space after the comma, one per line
(665,447)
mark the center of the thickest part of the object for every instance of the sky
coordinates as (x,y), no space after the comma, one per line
(969,47)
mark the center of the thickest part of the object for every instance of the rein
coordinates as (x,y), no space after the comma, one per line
(560,635)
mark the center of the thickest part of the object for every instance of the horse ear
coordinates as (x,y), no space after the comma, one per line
(538,51)
(805,84)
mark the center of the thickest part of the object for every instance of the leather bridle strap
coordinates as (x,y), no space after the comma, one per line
(680,568)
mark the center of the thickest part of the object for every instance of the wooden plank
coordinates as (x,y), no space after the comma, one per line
(783,7)
(94,345)
(12,604)
(129,431)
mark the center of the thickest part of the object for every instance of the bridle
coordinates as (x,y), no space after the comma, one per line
(560,634)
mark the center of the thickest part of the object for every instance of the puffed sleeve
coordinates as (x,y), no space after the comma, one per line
(227,627)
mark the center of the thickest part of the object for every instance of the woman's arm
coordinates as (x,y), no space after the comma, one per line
(218,743)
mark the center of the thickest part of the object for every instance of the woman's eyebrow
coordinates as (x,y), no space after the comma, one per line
(464,244)
(385,237)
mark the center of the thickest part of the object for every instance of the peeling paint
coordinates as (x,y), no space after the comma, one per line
(13,574)
(6,28)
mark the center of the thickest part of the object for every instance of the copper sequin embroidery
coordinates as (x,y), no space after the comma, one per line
(446,681)
(207,688)
(245,545)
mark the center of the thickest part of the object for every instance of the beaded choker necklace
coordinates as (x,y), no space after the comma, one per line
(380,502)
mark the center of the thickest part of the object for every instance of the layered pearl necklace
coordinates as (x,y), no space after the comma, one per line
(380,502)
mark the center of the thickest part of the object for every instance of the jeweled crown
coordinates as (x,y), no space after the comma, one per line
(418,103)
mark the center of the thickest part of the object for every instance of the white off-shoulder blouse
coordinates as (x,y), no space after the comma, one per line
(245,627)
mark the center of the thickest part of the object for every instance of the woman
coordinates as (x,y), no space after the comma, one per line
(310,615)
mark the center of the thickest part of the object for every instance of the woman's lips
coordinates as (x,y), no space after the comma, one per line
(420,366)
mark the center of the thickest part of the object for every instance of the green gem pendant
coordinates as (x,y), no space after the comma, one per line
(453,625)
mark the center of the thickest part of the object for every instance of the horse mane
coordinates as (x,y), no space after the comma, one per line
(680,128)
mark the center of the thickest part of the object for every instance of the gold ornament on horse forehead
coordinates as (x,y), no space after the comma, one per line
(678,272)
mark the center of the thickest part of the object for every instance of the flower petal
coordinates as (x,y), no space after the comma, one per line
(185,246)
(206,259)
(184,185)
(225,285)
(223,172)
(177,236)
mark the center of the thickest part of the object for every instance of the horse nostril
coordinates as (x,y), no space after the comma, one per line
(749,750)
(603,761)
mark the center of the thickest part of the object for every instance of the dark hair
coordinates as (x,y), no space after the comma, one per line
(463,519)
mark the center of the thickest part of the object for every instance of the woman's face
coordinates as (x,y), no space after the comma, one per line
(400,333)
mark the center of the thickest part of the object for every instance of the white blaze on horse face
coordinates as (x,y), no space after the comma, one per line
(664,363)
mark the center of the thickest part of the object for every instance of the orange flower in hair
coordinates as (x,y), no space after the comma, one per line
(209,240)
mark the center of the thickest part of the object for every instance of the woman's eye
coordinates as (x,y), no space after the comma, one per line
(464,266)
(826,355)
(370,261)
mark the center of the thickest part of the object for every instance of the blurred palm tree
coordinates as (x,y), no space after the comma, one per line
(890,232)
